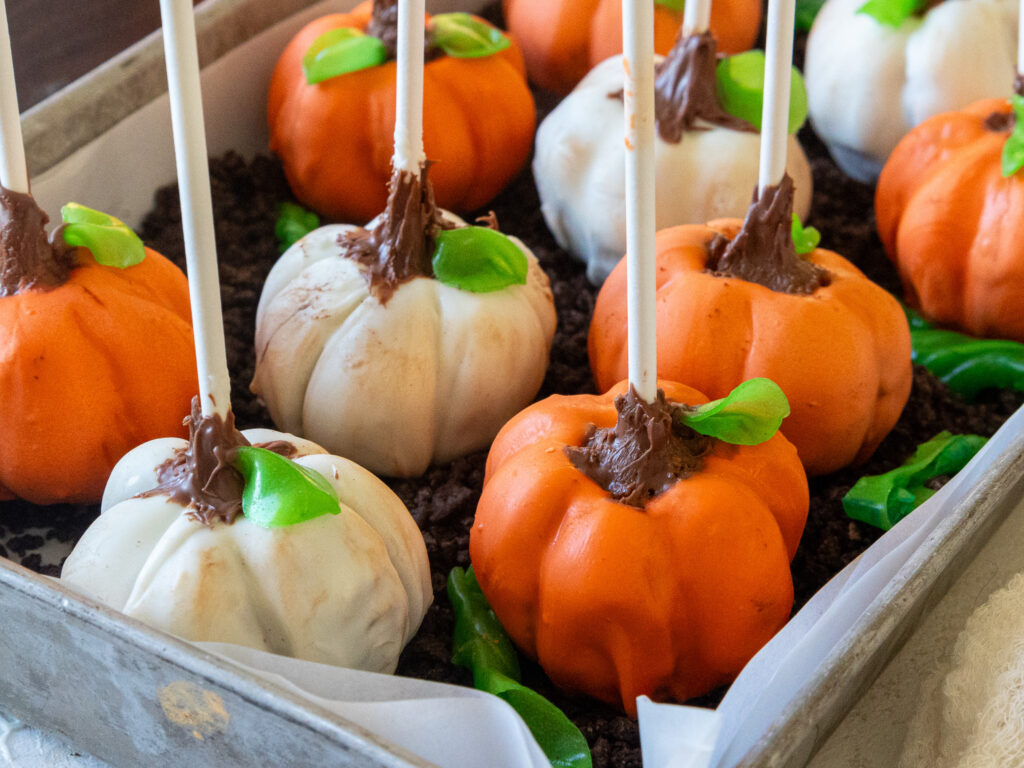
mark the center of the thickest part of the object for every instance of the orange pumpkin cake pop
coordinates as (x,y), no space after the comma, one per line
(96,350)
(332,111)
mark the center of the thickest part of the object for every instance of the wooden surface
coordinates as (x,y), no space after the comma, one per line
(57,41)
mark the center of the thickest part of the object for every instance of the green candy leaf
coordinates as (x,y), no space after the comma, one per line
(482,645)
(884,500)
(480,641)
(478,259)
(741,89)
(673,5)
(111,242)
(805,239)
(293,223)
(892,13)
(341,51)
(1013,149)
(806,12)
(279,492)
(966,364)
(748,415)
(466,37)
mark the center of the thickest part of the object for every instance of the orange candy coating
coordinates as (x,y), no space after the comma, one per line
(616,601)
(335,138)
(563,39)
(953,225)
(89,370)
(841,354)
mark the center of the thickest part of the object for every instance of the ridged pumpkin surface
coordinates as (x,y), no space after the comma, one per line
(617,601)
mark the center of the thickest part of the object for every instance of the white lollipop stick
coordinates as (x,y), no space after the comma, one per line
(638,100)
(13,171)
(696,16)
(1020,38)
(775,114)
(196,206)
(409,154)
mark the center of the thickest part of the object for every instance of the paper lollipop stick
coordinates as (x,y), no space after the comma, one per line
(1020,38)
(696,16)
(775,113)
(409,155)
(13,172)
(196,206)
(638,100)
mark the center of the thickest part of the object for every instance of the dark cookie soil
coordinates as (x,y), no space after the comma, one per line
(246,196)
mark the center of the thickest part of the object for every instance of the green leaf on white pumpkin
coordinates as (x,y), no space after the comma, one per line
(293,223)
(341,51)
(279,492)
(1013,149)
(806,12)
(748,415)
(740,87)
(805,239)
(111,241)
(466,37)
(478,259)
(892,13)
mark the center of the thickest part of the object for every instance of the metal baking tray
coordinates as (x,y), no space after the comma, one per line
(114,687)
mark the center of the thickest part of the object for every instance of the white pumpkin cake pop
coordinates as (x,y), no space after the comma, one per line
(877,68)
(706,158)
(276,546)
(335,572)
(409,342)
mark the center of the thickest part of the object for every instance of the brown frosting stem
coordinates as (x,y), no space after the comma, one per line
(27,258)
(998,122)
(401,245)
(763,251)
(384,24)
(685,89)
(202,477)
(644,454)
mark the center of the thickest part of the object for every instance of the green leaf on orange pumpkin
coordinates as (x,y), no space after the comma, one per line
(478,259)
(466,37)
(1013,149)
(279,492)
(748,415)
(111,241)
(805,239)
(482,646)
(293,223)
(892,13)
(341,51)
(673,5)
(740,87)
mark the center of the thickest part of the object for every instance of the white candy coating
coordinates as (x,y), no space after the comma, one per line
(349,589)
(580,171)
(431,375)
(868,83)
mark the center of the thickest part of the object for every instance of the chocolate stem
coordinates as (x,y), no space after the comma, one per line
(202,477)
(685,89)
(999,122)
(384,25)
(762,251)
(644,454)
(401,245)
(27,258)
